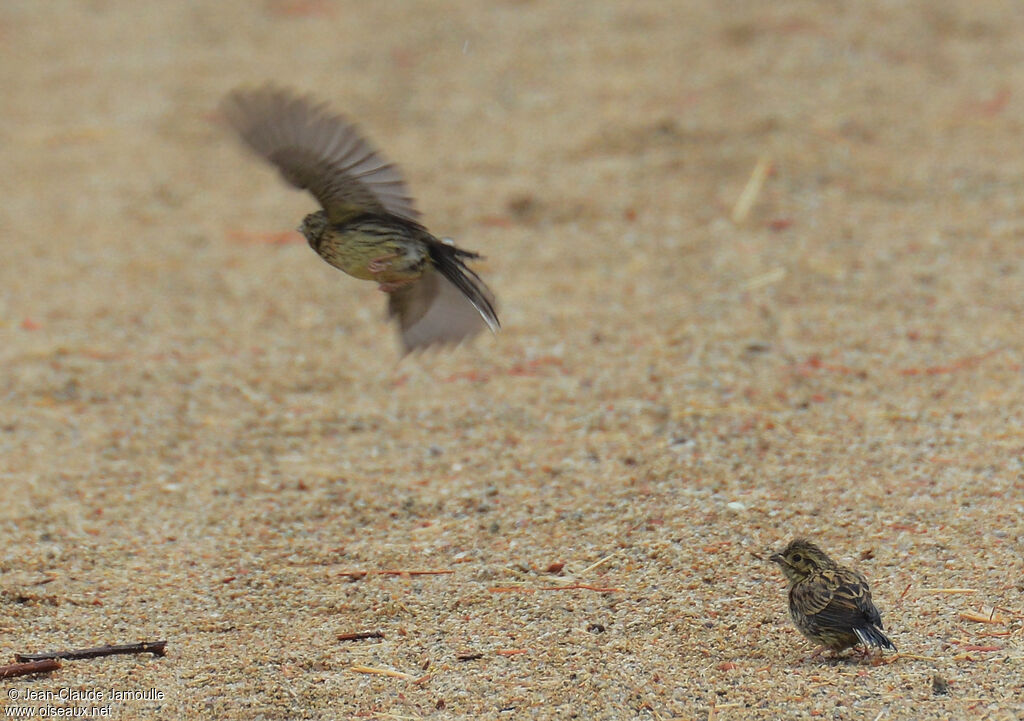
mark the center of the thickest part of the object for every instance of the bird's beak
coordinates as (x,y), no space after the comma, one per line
(777,558)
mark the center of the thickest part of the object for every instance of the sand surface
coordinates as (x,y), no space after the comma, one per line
(207,434)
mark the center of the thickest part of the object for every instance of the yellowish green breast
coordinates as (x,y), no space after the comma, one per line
(373,256)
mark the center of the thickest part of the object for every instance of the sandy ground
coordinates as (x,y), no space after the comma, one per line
(207,436)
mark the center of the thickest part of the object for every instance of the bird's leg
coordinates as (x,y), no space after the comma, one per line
(818,651)
(393,286)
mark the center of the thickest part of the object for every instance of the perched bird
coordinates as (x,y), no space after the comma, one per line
(830,604)
(368,225)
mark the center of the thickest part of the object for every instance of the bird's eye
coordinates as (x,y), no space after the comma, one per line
(797,558)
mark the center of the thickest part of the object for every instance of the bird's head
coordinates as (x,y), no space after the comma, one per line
(313,227)
(801,559)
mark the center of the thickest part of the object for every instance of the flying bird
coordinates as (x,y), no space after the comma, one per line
(368,225)
(829,603)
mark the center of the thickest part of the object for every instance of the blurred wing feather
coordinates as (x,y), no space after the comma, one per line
(432,311)
(319,151)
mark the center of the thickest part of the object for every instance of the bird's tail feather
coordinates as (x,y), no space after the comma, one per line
(873,636)
(449,261)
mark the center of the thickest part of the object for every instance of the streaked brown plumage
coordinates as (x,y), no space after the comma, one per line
(830,604)
(369,224)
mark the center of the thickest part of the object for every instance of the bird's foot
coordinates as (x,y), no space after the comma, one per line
(827,654)
(866,654)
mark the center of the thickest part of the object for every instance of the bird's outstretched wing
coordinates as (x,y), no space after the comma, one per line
(319,151)
(447,305)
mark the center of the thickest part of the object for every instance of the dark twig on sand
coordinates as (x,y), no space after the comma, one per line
(154,647)
(357,575)
(360,635)
(30,667)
